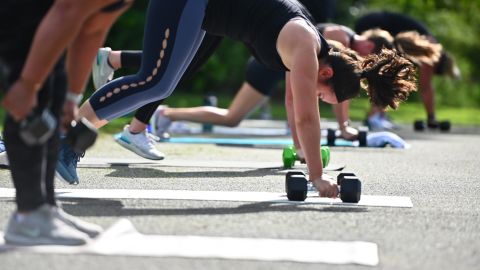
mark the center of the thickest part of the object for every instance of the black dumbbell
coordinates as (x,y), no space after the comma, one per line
(362,136)
(350,187)
(38,128)
(81,136)
(419,125)
(296,186)
(444,125)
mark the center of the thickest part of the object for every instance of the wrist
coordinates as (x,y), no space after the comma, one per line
(73,97)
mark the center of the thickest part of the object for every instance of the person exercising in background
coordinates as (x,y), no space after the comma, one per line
(135,136)
(260,83)
(394,24)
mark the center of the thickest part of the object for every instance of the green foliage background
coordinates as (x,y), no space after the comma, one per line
(455,23)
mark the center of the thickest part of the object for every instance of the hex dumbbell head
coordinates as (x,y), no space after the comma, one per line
(342,175)
(418,125)
(296,186)
(294,172)
(445,126)
(37,129)
(362,138)
(289,156)
(331,137)
(350,189)
(325,151)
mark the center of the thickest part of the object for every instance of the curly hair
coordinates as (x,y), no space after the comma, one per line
(418,48)
(388,78)
(381,39)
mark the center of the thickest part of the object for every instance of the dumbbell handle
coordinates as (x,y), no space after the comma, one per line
(311,187)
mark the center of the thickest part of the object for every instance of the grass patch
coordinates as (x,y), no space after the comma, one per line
(407,113)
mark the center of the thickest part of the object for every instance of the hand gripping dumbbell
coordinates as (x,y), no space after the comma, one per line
(289,156)
(296,186)
(333,134)
(81,136)
(37,128)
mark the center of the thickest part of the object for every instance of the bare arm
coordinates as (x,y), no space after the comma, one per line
(298,46)
(56,31)
(290,113)
(303,78)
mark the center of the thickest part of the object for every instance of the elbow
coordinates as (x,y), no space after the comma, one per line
(232,121)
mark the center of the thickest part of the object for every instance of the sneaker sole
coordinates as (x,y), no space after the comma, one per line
(28,241)
(134,149)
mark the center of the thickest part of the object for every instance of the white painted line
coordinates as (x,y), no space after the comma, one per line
(136,162)
(132,162)
(231,196)
(122,239)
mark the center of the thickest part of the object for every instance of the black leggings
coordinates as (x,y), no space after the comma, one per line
(133,59)
(32,167)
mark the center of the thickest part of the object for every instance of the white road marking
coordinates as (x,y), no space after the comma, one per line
(122,239)
(270,197)
(135,162)
(104,162)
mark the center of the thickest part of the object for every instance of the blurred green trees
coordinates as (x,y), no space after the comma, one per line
(455,23)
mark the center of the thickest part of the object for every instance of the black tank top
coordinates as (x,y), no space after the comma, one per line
(256,23)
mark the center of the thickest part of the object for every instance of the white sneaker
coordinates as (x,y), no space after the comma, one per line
(141,144)
(378,122)
(159,122)
(102,72)
(42,227)
(179,127)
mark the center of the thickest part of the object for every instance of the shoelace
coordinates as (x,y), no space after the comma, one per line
(72,156)
(152,138)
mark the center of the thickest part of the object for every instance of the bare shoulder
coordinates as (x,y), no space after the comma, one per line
(297,36)
(298,28)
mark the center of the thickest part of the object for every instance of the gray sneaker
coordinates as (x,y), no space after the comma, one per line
(92,230)
(42,227)
(160,123)
(141,144)
(102,72)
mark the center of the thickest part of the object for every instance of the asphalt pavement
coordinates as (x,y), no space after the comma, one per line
(440,173)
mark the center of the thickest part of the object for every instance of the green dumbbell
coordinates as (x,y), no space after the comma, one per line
(289,156)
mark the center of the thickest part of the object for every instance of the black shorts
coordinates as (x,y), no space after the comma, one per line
(116,6)
(263,79)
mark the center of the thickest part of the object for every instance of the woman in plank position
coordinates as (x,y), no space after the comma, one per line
(280,35)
